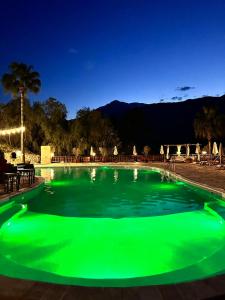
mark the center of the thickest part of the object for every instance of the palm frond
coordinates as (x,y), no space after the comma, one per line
(21,75)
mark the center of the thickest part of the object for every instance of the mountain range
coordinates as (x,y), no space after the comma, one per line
(143,124)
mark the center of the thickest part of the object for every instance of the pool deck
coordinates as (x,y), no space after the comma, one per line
(208,176)
(212,288)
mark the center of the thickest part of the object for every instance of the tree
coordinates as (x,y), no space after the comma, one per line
(21,79)
(11,119)
(146,150)
(90,128)
(56,125)
(208,124)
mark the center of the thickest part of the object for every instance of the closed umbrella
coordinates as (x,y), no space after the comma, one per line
(215,149)
(197,151)
(92,152)
(167,152)
(115,151)
(161,150)
(221,152)
(178,150)
(188,150)
(134,151)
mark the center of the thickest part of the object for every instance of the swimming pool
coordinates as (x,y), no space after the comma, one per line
(110,226)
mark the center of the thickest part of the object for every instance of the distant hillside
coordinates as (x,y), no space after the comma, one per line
(160,123)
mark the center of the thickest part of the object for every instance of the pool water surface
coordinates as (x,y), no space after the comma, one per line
(112,227)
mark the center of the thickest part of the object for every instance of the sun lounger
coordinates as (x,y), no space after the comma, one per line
(220,167)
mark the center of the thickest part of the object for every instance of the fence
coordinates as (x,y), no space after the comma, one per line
(110,158)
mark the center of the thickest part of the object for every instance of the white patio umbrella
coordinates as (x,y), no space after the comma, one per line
(188,150)
(115,151)
(167,152)
(220,152)
(178,150)
(161,150)
(92,152)
(100,150)
(197,151)
(134,151)
(215,149)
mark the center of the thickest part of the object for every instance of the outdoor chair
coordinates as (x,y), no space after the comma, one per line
(86,159)
(9,178)
(220,167)
(27,172)
(179,159)
(215,160)
(4,183)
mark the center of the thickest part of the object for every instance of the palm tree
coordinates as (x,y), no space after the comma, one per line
(21,79)
(208,125)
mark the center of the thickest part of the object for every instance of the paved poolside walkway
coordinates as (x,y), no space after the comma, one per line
(14,289)
(212,288)
(208,175)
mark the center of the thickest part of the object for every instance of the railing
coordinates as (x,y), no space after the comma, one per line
(129,158)
(109,158)
(171,166)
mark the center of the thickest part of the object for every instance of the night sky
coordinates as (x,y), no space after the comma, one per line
(92,52)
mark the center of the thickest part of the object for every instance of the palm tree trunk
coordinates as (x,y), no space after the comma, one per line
(22,124)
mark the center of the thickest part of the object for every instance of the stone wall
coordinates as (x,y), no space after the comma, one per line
(29,157)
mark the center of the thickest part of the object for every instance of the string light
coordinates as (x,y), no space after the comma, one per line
(12,131)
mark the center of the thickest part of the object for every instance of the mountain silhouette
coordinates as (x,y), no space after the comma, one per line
(159,123)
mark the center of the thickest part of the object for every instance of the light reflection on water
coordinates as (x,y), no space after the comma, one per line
(135,174)
(47,174)
(115,192)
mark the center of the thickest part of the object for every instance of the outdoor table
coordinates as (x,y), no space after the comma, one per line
(10,179)
(29,173)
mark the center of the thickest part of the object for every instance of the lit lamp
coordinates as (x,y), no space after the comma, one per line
(18,153)
(21,91)
(12,130)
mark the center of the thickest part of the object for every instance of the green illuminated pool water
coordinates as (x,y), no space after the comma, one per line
(112,227)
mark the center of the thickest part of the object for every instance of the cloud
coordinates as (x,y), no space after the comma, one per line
(161,100)
(72,51)
(176,98)
(185,88)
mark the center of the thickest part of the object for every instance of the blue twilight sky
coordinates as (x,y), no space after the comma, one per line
(90,52)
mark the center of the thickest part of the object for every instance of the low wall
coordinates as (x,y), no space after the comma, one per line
(31,157)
